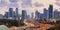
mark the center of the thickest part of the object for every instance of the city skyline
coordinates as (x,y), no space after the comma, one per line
(33,5)
(47,14)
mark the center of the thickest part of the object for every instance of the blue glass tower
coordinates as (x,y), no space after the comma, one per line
(10,12)
(14,15)
(50,11)
(24,15)
(55,14)
(6,15)
(41,15)
(16,12)
(45,13)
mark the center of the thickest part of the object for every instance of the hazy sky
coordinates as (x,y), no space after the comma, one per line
(28,5)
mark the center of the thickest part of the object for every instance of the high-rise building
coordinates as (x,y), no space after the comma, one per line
(50,11)
(6,15)
(24,15)
(37,15)
(41,16)
(32,15)
(10,12)
(16,13)
(56,14)
(45,13)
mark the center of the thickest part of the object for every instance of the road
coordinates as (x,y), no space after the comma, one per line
(33,25)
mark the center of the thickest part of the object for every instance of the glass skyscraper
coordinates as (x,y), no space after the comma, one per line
(6,15)
(24,15)
(16,11)
(50,11)
(10,12)
(14,15)
(45,13)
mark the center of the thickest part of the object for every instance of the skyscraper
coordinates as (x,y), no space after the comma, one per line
(6,15)
(17,13)
(37,15)
(40,15)
(45,13)
(50,11)
(32,15)
(11,12)
(14,15)
(56,14)
(24,15)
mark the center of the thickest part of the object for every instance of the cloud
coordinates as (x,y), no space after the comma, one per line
(57,2)
(13,5)
(13,1)
(3,3)
(26,3)
(38,4)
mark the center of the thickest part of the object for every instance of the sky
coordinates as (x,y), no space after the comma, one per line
(29,5)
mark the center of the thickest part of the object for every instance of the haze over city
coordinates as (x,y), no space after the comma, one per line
(30,5)
(30,14)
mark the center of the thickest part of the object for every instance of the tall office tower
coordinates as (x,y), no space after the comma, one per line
(55,14)
(36,15)
(45,13)
(26,3)
(50,11)
(32,16)
(24,15)
(6,15)
(41,15)
(10,13)
(17,13)
(58,14)
(14,15)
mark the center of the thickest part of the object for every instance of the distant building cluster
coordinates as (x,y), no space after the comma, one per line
(47,14)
